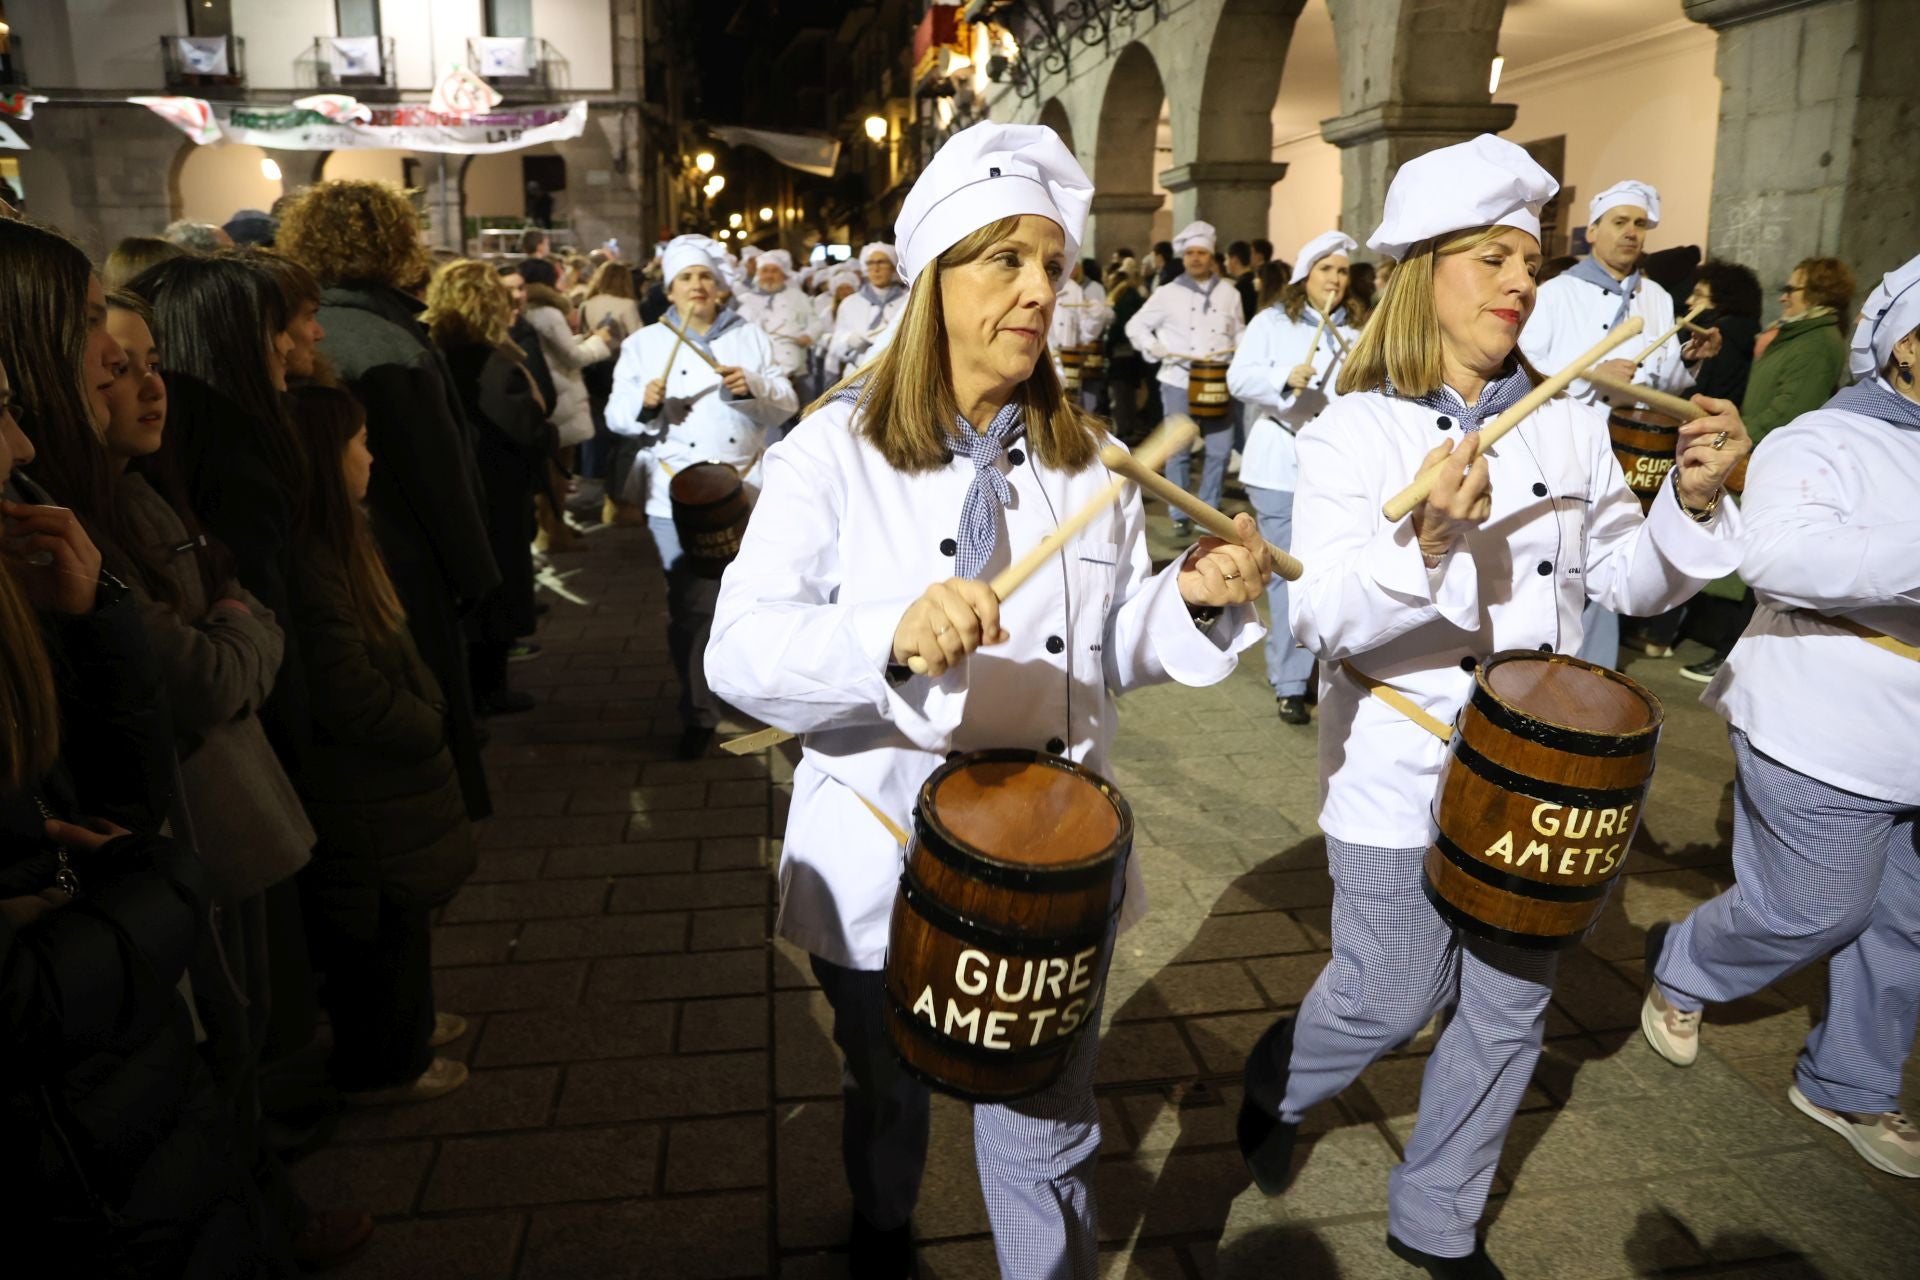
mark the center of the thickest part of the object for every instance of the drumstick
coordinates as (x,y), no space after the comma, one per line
(1661,341)
(1397,507)
(1175,434)
(1695,327)
(1215,522)
(1326,317)
(697,350)
(673,354)
(1685,410)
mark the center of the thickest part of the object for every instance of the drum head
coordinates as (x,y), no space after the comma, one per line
(1645,419)
(1026,809)
(703,484)
(1570,694)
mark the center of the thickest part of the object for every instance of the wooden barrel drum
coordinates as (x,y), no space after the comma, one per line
(1072,366)
(1643,443)
(1539,798)
(710,512)
(1003,924)
(1207,395)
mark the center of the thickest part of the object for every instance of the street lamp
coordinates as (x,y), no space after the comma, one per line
(766,214)
(734,219)
(704,162)
(877,128)
(715,185)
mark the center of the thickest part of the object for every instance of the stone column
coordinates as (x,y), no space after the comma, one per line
(1233,195)
(1375,141)
(100,174)
(1120,220)
(1816,118)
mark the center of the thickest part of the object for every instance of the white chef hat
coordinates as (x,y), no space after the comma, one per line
(879,250)
(1892,311)
(1200,234)
(690,251)
(846,275)
(1483,182)
(987,172)
(1327,242)
(778,257)
(751,252)
(1641,195)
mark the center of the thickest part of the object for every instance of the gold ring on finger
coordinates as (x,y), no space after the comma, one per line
(1719,439)
(940,631)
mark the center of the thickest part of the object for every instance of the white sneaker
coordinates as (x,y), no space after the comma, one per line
(1888,1141)
(1674,1035)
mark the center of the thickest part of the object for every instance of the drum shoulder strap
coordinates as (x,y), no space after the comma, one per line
(1899,648)
(1398,701)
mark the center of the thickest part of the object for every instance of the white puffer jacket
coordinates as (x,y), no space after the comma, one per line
(567,354)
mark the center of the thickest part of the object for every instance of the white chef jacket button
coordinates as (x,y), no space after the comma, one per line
(1468,663)
(1056,746)
(1546,648)
(1545,568)
(1443,422)
(948,546)
(1016,457)
(1055,644)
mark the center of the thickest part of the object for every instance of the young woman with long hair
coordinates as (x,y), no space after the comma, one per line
(469,312)
(379,782)
(1504,554)
(952,453)
(1284,370)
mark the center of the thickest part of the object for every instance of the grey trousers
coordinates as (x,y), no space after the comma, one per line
(1036,1156)
(1217,434)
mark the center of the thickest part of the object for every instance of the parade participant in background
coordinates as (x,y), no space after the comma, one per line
(785,315)
(687,411)
(961,418)
(869,313)
(1080,319)
(1285,370)
(1503,554)
(1826,821)
(1195,317)
(1594,295)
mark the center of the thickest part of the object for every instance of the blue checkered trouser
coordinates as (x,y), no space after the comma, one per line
(1395,964)
(1817,870)
(1036,1156)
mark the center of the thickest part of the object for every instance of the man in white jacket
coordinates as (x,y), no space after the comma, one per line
(866,317)
(785,315)
(1197,316)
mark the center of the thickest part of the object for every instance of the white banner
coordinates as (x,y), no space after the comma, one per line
(504,55)
(354,56)
(803,151)
(202,55)
(404,128)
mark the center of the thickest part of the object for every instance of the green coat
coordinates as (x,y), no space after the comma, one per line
(1798,373)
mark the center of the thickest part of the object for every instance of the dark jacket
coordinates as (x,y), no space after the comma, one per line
(527,338)
(426,495)
(241,499)
(379,781)
(1725,375)
(511,439)
(1797,373)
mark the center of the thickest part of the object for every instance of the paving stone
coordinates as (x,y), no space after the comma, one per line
(1193,989)
(950,1200)
(492,987)
(511,864)
(575,1034)
(708,1026)
(1141,1051)
(738,793)
(553,1166)
(472,1246)
(474,943)
(1159,1194)
(1286,979)
(738,853)
(653,1088)
(721,973)
(602,936)
(812,1195)
(654,857)
(530,900)
(630,799)
(381,1177)
(808,1064)
(551,833)
(1255,934)
(717,1155)
(684,1238)
(690,892)
(672,824)
(489,1101)
(729,929)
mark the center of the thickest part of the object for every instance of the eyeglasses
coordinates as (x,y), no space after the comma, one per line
(1793,288)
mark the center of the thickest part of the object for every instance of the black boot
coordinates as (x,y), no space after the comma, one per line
(1475,1266)
(1266,1141)
(1293,709)
(873,1254)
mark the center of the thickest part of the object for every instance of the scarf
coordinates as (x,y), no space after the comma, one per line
(727,318)
(1500,394)
(1875,399)
(878,299)
(988,494)
(1593,273)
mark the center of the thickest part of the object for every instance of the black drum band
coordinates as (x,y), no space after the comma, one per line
(1508,882)
(1534,788)
(1478,928)
(921,901)
(1574,741)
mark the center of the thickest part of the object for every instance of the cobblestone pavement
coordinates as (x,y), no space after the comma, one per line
(654,1092)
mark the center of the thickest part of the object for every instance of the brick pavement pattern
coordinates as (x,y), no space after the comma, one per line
(654,1092)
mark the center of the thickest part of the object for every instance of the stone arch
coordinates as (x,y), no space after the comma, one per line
(1124,199)
(1413,76)
(211,183)
(1054,116)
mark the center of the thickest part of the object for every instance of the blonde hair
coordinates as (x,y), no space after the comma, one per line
(907,404)
(612,280)
(1401,343)
(468,302)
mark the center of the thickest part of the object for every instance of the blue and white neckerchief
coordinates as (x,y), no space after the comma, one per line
(1498,395)
(1593,273)
(727,318)
(1874,398)
(878,299)
(1328,341)
(1204,290)
(989,493)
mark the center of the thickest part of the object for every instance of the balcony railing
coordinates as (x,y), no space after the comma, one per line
(361,65)
(194,62)
(524,64)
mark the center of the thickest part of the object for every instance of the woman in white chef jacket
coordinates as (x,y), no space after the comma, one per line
(1822,701)
(1284,370)
(869,312)
(1503,555)
(689,412)
(866,500)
